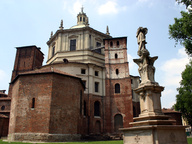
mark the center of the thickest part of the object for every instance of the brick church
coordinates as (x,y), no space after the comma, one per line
(84,89)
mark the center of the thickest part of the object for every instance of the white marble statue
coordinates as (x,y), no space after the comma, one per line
(145,62)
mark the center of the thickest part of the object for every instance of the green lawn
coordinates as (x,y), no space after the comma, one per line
(95,142)
(90,142)
(189,140)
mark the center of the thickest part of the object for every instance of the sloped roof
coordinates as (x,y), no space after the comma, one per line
(46,70)
(165,110)
(5,98)
(1,93)
(3,116)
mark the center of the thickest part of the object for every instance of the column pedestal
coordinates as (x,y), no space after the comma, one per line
(155,134)
(152,126)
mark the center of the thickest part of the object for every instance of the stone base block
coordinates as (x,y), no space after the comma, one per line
(152,120)
(155,134)
(43,137)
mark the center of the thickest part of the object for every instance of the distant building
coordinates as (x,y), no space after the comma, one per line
(5,103)
(174,115)
(135,81)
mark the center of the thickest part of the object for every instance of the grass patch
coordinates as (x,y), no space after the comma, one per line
(189,140)
(86,142)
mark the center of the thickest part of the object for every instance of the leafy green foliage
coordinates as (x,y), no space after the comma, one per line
(184,98)
(185,2)
(181,31)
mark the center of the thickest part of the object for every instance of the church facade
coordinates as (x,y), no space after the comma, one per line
(84,89)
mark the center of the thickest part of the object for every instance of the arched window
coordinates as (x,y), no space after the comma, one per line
(97,108)
(111,44)
(65,61)
(117,88)
(117,71)
(118,122)
(117,43)
(116,56)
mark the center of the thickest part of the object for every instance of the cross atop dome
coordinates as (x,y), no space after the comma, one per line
(82,9)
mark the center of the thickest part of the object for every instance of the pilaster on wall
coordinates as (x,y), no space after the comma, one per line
(118,111)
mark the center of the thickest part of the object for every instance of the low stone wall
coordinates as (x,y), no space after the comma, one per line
(43,137)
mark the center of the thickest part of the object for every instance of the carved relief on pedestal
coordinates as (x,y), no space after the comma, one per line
(137,139)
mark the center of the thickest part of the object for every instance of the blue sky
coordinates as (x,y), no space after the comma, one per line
(30,22)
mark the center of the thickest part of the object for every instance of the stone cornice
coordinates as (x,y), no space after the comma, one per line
(76,30)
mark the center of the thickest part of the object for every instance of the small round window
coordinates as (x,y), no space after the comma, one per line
(3,107)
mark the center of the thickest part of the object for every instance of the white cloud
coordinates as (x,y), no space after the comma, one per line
(168,91)
(65,5)
(149,3)
(173,68)
(171,76)
(76,8)
(168,97)
(4,78)
(130,60)
(133,68)
(110,7)
(2,75)
(143,0)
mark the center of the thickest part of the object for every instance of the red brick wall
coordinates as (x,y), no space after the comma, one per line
(25,118)
(27,58)
(66,117)
(175,116)
(57,104)
(6,103)
(90,121)
(117,103)
(13,112)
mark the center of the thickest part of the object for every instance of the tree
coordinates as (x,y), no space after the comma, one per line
(184,98)
(187,3)
(181,30)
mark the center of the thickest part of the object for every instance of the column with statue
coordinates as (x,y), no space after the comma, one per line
(152,126)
